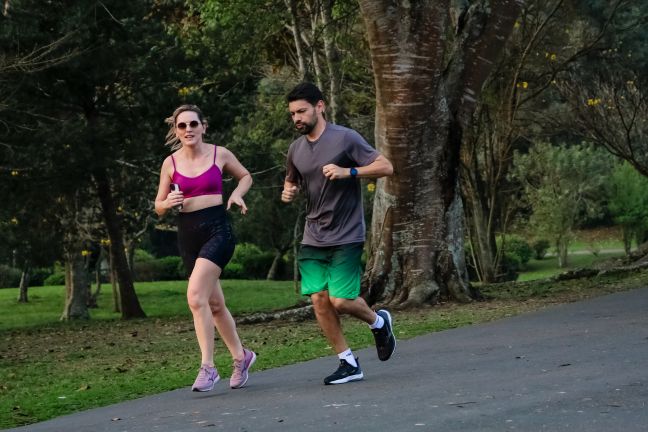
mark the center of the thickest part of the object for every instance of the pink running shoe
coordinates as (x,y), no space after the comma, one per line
(206,379)
(241,368)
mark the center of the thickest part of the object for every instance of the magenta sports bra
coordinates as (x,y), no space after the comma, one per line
(209,182)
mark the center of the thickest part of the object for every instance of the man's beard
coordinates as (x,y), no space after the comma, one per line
(306,128)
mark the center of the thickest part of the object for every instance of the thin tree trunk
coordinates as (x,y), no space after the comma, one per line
(297,36)
(94,296)
(24,284)
(297,230)
(113,283)
(627,234)
(317,68)
(562,247)
(129,303)
(330,52)
(482,236)
(272,272)
(115,291)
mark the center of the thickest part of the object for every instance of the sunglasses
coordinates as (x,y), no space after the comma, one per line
(193,123)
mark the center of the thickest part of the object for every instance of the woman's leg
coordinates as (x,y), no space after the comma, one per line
(224,322)
(202,283)
(207,304)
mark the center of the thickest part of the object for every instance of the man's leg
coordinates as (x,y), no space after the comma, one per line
(356,307)
(314,265)
(344,290)
(329,321)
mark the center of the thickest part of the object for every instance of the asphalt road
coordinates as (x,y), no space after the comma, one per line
(575,367)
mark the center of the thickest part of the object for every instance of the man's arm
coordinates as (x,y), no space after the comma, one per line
(380,167)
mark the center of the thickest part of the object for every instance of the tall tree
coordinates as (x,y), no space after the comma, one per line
(563,184)
(430,61)
(318,27)
(605,92)
(260,139)
(611,110)
(106,102)
(549,38)
(628,203)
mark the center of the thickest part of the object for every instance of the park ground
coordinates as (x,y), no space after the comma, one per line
(49,368)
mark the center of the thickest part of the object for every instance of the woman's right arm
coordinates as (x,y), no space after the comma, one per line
(166,199)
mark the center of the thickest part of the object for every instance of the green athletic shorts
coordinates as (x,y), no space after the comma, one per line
(333,268)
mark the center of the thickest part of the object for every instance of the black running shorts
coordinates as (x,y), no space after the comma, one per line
(205,233)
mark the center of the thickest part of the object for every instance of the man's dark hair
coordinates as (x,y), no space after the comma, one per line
(306,91)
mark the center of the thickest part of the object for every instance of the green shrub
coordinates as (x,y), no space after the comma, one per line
(169,267)
(9,276)
(233,271)
(540,248)
(245,251)
(254,263)
(37,276)
(516,253)
(517,246)
(56,278)
(510,266)
(181,270)
(160,269)
(142,255)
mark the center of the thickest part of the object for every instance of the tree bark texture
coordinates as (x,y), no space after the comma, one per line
(482,235)
(331,54)
(429,70)
(24,284)
(76,286)
(129,303)
(272,272)
(297,35)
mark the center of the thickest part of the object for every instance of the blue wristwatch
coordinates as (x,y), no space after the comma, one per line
(353,172)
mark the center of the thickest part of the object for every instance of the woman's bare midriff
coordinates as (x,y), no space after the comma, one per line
(200,202)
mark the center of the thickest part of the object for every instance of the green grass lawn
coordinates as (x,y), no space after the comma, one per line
(548,266)
(158,299)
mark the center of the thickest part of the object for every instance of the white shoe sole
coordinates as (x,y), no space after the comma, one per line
(356,377)
(207,389)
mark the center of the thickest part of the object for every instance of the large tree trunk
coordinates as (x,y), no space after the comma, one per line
(426,88)
(130,306)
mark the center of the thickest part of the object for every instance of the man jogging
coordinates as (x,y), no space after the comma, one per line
(326,163)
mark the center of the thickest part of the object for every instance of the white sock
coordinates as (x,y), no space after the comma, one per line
(378,323)
(349,357)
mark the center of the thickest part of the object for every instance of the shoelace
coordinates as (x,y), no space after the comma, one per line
(239,365)
(204,372)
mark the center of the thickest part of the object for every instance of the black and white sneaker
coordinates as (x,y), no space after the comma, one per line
(345,373)
(384,336)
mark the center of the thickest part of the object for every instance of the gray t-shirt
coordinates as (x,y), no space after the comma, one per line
(334,214)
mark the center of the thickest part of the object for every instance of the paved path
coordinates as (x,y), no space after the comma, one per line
(576,367)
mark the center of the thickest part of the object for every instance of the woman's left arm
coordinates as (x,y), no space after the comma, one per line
(241,174)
